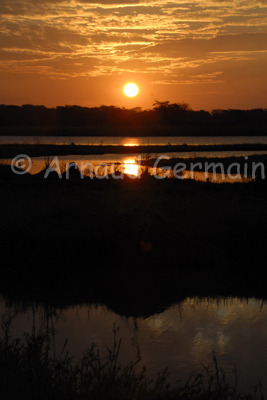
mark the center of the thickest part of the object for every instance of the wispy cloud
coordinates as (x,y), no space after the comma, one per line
(167,41)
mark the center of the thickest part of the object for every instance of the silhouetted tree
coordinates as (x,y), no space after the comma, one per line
(163,113)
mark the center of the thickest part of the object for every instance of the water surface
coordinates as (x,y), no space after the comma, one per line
(133,164)
(181,337)
(134,141)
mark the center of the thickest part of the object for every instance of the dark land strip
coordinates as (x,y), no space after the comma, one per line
(38,150)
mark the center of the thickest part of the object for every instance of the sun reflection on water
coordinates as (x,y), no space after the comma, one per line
(131,143)
(130,167)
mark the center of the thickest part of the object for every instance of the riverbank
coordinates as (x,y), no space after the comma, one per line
(143,240)
(38,150)
(136,246)
(32,369)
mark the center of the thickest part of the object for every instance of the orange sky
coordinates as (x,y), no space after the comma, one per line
(210,54)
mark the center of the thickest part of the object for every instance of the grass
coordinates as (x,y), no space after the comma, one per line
(134,245)
(30,369)
(53,231)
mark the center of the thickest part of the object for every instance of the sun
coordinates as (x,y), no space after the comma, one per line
(131,89)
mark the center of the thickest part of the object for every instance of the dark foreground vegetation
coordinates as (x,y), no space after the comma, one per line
(29,369)
(164,119)
(136,245)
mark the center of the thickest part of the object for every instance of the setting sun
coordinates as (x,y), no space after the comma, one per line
(131,89)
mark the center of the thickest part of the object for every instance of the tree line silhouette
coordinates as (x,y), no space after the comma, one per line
(163,114)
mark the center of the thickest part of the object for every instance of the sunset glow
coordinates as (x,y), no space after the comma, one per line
(131,144)
(210,55)
(131,89)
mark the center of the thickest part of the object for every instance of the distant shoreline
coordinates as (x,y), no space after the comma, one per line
(164,119)
(38,150)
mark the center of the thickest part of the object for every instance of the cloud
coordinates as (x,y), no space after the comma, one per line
(105,2)
(186,41)
(194,47)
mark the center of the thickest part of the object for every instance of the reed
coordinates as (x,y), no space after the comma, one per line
(30,369)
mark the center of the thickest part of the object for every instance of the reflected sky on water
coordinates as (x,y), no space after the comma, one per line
(134,141)
(131,164)
(181,337)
